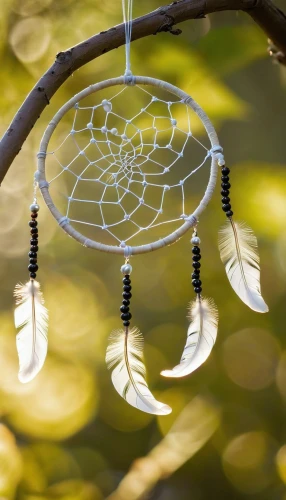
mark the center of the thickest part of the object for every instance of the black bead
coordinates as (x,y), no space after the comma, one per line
(196,250)
(34,248)
(126,302)
(126,281)
(229,214)
(127,276)
(127,288)
(33,275)
(33,223)
(124,309)
(226,207)
(34,241)
(198,289)
(34,230)
(196,258)
(225,170)
(126,323)
(127,295)
(226,199)
(33,268)
(196,265)
(33,261)
(126,316)
(225,185)
(34,215)
(33,255)
(196,282)
(224,178)
(196,274)
(224,192)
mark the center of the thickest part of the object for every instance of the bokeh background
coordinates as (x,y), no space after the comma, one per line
(68,435)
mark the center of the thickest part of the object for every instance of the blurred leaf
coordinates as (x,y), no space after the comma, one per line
(10,463)
(69,490)
(197,78)
(263,185)
(230,48)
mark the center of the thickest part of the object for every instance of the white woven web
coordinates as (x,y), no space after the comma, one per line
(128,174)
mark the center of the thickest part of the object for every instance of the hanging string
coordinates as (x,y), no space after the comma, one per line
(127,18)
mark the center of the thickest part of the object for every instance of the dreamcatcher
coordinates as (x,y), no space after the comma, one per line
(117,169)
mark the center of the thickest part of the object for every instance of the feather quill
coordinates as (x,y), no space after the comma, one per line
(124,355)
(201,337)
(238,252)
(32,317)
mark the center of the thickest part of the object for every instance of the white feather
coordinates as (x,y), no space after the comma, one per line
(124,353)
(238,252)
(32,317)
(201,337)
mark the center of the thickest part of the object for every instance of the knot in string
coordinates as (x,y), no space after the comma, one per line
(217,151)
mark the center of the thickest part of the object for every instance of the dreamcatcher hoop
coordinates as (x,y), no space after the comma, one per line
(237,243)
(189,221)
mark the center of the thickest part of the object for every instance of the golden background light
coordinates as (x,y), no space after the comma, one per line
(250,358)
(248,462)
(30,38)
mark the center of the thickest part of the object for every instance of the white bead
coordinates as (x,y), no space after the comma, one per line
(114,131)
(37,176)
(106,105)
(195,240)
(103,130)
(89,126)
(34,207)
(126,269)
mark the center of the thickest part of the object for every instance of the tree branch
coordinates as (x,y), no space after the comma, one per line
(271,19)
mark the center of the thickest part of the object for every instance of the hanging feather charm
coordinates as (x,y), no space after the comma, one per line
(124,353)
(238,252)
(201,337)
(31,315)
(202,331)
(124,356)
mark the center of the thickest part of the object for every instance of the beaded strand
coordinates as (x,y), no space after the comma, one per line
(33,266)
(196,282)
(225,185)
(126,315)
